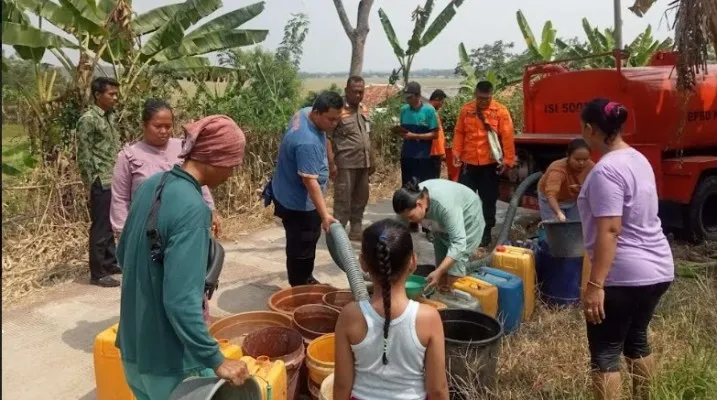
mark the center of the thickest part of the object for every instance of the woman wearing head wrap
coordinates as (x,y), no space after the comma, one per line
(162,336)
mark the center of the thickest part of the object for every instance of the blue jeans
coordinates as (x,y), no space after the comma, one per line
(155,387)
(570,209)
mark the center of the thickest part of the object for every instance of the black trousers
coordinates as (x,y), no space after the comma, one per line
(420,168)
(628,312)
(486,181)
(303,230)
(102,241)
(436,167)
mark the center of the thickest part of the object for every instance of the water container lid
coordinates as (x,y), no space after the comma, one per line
(500,249)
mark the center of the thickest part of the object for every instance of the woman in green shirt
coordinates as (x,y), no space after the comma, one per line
(162,336)
(454,213)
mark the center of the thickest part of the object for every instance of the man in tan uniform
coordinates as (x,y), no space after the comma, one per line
(350,160)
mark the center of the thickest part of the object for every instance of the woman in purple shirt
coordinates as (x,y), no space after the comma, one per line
(632,264)
(157,152)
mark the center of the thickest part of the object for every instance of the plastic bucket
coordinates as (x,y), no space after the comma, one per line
(338,299)
(287,300)
(472,349)
(235,328)
(327,388)
(565,238)
(282,344)
(314,390)
(320,358)
(213,388)
(559,279)
(314,320)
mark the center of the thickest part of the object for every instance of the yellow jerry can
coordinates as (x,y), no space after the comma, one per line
(486,293)
(521,263)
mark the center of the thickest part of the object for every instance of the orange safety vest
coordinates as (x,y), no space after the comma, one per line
(438,146)
(470,139)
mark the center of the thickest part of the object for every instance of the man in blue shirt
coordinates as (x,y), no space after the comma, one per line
(418,128)
(299,184)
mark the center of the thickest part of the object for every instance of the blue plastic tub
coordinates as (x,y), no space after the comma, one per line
(510,296)
(559,279)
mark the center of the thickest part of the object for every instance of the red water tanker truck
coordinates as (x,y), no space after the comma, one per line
(685,164)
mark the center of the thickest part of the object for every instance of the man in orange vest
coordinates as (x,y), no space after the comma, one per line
(483,163)
(438,147)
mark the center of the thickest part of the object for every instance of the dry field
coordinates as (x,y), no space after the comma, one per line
(317,84)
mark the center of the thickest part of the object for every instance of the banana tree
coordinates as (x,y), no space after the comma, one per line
(106,31)
(545,50)
(465,67)
(639,51)
(138,49)
(421,36)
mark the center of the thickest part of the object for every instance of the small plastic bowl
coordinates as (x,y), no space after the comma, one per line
(414,286)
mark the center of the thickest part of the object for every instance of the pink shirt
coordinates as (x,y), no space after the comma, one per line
(135,163)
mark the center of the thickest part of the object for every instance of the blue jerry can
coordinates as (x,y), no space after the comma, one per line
(510,296)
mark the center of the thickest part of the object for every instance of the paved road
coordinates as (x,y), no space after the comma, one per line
(47,344)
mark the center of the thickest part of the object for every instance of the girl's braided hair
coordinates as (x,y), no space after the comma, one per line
(387,247)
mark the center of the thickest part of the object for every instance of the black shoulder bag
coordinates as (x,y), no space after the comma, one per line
(215,260)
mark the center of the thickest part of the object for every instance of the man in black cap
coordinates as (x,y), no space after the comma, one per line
(418,127)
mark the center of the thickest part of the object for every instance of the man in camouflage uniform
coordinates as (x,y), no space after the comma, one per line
(98,143)
(350,159)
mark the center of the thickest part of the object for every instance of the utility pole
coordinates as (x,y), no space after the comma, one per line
(618,24)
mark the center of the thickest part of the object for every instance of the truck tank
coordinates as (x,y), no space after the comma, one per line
(553,104)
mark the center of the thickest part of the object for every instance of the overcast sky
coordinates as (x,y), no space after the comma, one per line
(478,22)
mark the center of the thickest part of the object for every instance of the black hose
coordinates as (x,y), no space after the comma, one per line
(526,184)
(342,253)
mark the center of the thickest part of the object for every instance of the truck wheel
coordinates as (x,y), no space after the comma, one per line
(702,214)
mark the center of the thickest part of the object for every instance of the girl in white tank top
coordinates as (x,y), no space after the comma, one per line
(389,347)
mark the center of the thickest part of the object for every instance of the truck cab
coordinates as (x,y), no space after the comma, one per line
(676,132)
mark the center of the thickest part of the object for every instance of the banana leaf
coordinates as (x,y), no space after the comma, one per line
(11,13)
(571,51)
(593,40)
(154,19)
(421,15)
(528,35)
(184,63)
(86,9)
(548,38)
(105,7)
(15,34)
(390,34)
(64,17)
(211,42)
(465,63)
(172,33)
(229,20)
(608,39)
(441,22)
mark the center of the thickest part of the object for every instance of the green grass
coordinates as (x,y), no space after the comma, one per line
(16,157)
